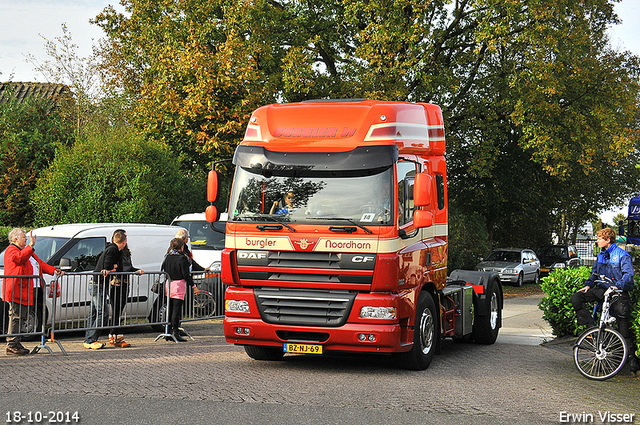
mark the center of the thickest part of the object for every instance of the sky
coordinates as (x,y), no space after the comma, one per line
(26,22)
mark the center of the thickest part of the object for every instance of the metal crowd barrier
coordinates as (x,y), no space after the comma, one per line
(67,309)
(29,325)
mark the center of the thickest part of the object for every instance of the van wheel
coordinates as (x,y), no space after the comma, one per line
(425,332)
(158,314)
(258,352)
(32,324)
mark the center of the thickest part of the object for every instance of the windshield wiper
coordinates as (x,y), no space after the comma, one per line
(342,219)
(270,217)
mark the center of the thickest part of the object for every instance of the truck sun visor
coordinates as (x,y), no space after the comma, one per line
(361,160)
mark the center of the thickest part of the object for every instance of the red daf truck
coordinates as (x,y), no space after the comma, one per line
(337,236)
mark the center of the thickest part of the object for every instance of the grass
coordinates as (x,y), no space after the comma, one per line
(523,291)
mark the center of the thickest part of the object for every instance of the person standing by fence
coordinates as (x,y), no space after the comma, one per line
(108,262)
(21,260)
(176,265)
(118,293)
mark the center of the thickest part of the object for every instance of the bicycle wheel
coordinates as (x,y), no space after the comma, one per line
(204,305)
(600,360)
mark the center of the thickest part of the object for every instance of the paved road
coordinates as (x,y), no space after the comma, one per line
(515,381)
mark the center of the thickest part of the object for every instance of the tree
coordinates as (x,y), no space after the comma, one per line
(535,101)
(79,73)
(115,176)
(30,133)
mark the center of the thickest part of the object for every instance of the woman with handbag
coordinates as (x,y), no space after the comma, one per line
(176,265)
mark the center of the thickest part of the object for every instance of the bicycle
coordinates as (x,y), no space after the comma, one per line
(600,352)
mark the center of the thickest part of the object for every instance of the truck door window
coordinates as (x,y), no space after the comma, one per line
(406,176)
(440,189)
(84,254)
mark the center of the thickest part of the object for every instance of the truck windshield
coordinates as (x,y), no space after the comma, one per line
(363,198)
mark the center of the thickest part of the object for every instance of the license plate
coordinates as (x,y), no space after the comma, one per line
(302,348)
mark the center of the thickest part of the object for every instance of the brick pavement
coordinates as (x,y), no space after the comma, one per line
(500,380)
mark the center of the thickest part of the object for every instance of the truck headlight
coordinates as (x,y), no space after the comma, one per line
(236,306)
(378,312)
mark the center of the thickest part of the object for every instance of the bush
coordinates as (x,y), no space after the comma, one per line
(116,176)
(4,232)
(560,285)
(30,133)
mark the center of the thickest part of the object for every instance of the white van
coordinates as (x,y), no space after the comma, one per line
(207,243)
(77,248)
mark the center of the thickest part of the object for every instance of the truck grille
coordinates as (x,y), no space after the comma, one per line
(311,267)
(304,307)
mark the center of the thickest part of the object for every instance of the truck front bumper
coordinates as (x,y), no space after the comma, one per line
(377,338)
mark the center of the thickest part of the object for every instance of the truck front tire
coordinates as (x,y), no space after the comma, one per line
(258,352)
(425,335)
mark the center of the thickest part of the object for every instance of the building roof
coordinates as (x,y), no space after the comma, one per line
(24,91)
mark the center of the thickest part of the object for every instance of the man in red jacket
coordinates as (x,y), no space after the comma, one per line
(20,260)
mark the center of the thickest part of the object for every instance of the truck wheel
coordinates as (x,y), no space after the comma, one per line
(424,336)
(485,328)
(258,352)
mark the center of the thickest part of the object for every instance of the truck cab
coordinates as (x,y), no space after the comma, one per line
(337,235)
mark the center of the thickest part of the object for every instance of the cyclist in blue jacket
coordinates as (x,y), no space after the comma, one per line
(616,264)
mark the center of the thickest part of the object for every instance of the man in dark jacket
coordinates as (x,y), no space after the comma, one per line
(107,263)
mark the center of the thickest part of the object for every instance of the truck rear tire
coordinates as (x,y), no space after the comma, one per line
(424,336)
(258,352)
(485,327)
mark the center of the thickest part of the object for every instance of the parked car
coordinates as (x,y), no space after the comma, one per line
(557,257)
(515,266)
(207,240)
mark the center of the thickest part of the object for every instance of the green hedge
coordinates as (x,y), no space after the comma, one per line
(560,285)
(4,232)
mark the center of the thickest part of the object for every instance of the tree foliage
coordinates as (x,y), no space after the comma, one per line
(115,176)
(541,114)
(30,134)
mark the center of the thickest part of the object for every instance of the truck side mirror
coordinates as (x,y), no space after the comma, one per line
(422,218)
(422,190)
(213,188)
(213,182)
(212,214)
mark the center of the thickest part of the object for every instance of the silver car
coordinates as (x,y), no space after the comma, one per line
(515,266)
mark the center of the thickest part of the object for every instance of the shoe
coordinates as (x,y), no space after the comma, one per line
(96,345)
(118,341)
(179,338)
(17,351)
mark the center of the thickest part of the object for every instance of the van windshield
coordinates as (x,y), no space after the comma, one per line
(201,234)
(365,198)
(46,246)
